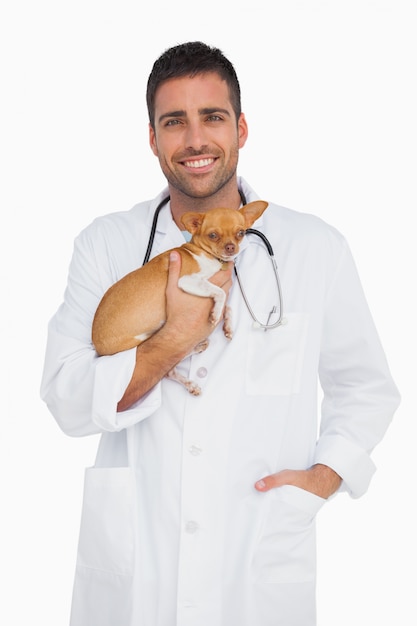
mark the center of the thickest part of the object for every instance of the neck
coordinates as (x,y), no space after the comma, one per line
(180,203)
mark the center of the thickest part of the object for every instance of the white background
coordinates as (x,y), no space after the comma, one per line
(329,94)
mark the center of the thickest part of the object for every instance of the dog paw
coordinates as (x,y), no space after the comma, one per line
(217,311)
(227,323)
(193,389)
(203,345)
(213,319)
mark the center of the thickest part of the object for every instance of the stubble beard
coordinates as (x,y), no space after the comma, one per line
(202,185)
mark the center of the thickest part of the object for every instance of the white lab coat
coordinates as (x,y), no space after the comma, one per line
(173,532)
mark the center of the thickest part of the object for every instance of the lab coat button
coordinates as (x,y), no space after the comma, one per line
(202,372)
(195,449)
(191,527)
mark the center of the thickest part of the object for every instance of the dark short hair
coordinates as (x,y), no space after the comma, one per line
(191,59)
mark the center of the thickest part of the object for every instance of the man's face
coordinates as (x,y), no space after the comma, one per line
(196,136)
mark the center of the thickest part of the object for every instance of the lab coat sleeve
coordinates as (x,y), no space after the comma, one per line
(80,388)
(360,396)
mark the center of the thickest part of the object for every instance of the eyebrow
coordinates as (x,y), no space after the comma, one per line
(205,111)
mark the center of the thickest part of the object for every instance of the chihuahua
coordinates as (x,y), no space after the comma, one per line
(134,308)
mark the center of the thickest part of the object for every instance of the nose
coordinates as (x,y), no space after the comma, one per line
(230,248)
(194,137)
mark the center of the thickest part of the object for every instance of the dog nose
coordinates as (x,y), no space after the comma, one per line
(230,248)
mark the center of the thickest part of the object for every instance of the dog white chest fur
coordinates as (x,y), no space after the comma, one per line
(134,308)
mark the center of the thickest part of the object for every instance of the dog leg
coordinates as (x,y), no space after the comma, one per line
(219,298)
(227,322)
(191,387)
(173,374)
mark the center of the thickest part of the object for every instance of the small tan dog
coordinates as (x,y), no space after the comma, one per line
(134,308)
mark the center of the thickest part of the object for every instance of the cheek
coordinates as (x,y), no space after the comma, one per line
(165,147)
(233,143)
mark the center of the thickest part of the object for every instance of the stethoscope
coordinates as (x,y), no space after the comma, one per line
(250,231)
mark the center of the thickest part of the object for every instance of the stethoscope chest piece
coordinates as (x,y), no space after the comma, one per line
(257,324)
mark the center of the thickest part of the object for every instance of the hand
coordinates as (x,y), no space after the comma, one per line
(187,325)
(188,315)
(223,278)
(319,479)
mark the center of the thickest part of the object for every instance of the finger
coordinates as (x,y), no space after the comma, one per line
(174,268)
(266,483)
(223,277)
(285,477)
(226,286)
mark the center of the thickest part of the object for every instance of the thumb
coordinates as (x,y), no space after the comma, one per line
(174,268)
(266,483)
(284,477)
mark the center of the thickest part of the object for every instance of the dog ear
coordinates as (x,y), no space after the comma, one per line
(252,211)
(192,221)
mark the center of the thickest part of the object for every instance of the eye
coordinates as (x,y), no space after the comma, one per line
(213,236)
(240,234)
(214,118)
(173,122)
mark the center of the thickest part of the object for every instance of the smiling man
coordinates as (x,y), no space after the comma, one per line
(200,511)
(197,137)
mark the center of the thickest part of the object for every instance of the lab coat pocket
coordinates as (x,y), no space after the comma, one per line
(275,357)
(287,547)
(107,533)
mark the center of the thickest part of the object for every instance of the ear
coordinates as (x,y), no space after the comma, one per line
(152,140)
(252,211)
(242,130)
(192,221)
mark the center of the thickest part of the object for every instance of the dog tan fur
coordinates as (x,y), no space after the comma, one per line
(134,308)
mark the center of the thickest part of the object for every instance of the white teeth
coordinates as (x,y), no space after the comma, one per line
(201,163)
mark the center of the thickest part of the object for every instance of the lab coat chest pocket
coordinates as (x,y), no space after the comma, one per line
(275,357)
(107,533)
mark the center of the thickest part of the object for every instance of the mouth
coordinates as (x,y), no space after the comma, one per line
(229,257)
(199,164)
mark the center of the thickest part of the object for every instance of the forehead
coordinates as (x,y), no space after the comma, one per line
(187,93)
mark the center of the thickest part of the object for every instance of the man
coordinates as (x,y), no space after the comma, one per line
(201,510)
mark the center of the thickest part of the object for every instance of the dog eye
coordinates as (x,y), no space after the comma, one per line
(213,236)
(240,234)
